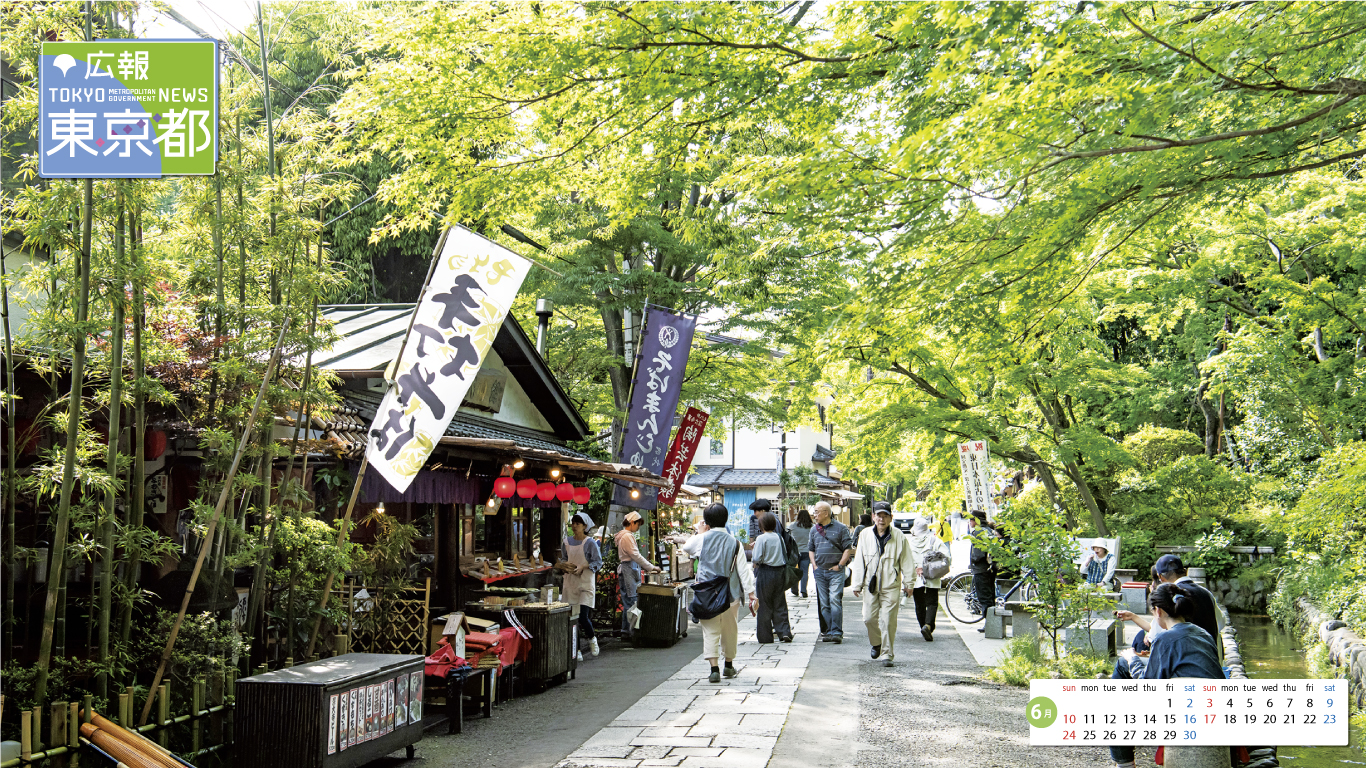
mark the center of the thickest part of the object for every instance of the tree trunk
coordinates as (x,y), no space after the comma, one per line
(56,574)
(618,375)
(1087,498)
(1210,414)
(1050,484)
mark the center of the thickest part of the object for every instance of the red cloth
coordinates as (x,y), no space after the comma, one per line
(1134,584)
(440,663)
(481,640)
(514,648)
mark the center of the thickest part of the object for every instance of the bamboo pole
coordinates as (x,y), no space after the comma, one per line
(11,471)
(56,577)
(137,479)
(213,521)
(301,421)
(111,497)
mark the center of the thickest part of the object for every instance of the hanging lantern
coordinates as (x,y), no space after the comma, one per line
(504,487)
(545,491)
(582,495)
(527,488)
(564,492)
(153,444)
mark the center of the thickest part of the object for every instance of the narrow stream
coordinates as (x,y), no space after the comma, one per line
(1270,653)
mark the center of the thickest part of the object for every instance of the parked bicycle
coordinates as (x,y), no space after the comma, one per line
(962,604)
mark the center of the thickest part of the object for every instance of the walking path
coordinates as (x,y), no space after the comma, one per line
(820,705)
(688,722)
(794,705)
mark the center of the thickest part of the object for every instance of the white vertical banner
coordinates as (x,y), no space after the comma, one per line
(974,460)
(467,298)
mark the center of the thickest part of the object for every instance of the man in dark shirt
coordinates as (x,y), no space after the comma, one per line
(757,509)
(832,545)
(979,562)
(1170,569)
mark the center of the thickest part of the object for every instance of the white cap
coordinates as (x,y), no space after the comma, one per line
(582,517)
(631,517)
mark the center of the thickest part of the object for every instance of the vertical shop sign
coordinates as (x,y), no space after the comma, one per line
(660,364)
(467,297)
(681,452)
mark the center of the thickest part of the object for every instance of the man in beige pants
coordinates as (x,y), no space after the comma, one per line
(884,565)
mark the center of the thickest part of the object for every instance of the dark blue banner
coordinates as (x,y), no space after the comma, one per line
(660,362)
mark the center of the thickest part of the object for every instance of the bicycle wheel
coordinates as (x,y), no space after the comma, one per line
(961,602)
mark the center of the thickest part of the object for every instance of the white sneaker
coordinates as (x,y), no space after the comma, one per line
(593,646)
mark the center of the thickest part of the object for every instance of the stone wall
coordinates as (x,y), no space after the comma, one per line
(1233,658)
(1346,649)
(1240,594)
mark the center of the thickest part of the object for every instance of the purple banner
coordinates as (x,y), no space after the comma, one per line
(663,356)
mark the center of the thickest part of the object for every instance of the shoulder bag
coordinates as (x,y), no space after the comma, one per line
(712,597)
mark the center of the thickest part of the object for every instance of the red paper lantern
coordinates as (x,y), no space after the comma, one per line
(527,488)
(565,492)
(582,495)
(504,487)
(545,491)
(153,444)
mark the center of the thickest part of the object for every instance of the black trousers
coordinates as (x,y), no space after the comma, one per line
(926,605)
(984,585)
(585,623)
(771,589)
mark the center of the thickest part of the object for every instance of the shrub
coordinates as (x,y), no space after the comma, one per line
(1211,553)
(1152,446)
(1025,660)
(1325,551)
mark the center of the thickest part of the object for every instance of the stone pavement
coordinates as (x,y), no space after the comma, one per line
(688,722)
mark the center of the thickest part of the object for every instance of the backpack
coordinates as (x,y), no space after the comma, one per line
(792,559)
(936,566)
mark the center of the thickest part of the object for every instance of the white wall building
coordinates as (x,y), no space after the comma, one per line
(744,464)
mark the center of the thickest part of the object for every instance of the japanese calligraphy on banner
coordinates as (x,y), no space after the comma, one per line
(664,347)
(974,460)
(681,452)
(469,294)
(128,109)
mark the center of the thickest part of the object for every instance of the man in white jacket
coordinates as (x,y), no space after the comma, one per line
(885,567)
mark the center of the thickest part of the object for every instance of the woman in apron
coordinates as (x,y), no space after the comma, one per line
(582,561)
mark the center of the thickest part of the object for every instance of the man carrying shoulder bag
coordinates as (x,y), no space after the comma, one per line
(724,578)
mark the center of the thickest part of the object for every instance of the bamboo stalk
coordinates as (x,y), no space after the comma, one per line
(57,568)
(11,456)
(111,497)
(213,521)
(300,421)
(137,479)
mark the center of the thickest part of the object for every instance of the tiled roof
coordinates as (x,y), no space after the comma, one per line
(370,335)
(703,476)
(708,476)
(823,454)
(360,408)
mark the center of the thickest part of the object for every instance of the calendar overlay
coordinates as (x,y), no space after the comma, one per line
(1188,711)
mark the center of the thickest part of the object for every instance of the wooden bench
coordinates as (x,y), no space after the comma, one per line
(458,685)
